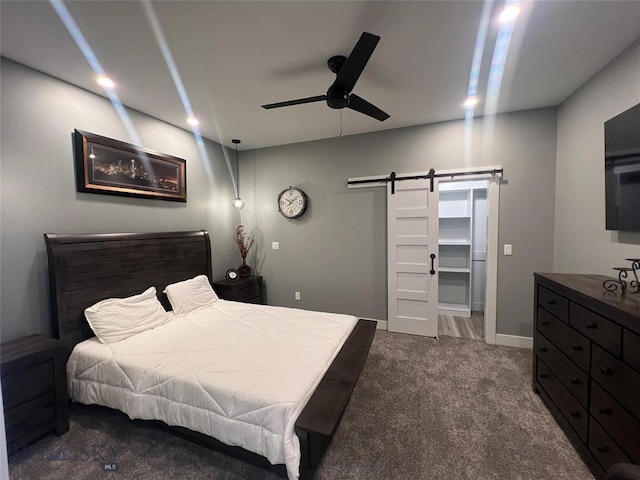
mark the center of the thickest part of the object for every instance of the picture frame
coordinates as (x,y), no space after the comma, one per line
(111,167)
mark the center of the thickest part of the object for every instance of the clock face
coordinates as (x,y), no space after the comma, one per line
(292,202)
(232,274)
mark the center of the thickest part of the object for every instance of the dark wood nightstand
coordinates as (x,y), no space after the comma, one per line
(248,289)
(34,389)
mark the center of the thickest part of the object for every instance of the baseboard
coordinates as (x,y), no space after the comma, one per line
(514,341)
(382,324)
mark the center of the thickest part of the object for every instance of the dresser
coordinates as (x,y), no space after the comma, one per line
(249,289)
(34,389)
(586,365)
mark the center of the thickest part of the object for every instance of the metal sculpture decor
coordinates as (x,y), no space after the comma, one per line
(627,278)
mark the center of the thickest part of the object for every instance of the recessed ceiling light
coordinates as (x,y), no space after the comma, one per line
(509,13)
(470,102)
(105,81)
(193,121)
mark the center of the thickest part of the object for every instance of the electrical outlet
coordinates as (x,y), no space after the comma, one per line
(275,245)
(297,295)
(507,249)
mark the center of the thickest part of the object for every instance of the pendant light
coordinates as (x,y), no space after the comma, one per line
(237,203)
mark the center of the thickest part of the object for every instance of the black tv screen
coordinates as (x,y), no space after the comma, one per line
(622,171)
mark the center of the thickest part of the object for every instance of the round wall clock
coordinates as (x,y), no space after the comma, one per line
(292,202)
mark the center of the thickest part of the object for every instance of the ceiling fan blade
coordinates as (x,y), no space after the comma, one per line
(299,101)
(359,104)
(357,60)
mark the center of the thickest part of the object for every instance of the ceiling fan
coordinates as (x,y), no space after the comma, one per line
(347,70)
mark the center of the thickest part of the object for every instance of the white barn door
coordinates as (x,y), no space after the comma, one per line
(412,237)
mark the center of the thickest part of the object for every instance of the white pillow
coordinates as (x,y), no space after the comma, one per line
(190,295)
(116,319)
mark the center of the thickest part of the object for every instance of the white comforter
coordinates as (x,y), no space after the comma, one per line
(238,372)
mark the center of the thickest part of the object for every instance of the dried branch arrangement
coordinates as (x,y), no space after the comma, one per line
(244,243)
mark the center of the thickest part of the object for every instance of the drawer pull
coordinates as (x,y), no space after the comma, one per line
(544,322)
(575,414)
(544,375)
(544,349)
(576,348)
(605,410)
(603,449)
(575,381)
(591,325)
(606,371)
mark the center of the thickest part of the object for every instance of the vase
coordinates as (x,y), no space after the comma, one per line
(244,270)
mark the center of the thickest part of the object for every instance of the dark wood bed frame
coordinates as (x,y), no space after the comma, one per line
(84,269)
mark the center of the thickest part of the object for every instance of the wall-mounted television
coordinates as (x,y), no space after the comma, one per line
(622,170)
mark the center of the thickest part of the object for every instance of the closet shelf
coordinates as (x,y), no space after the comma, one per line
(454,242)
(454,270)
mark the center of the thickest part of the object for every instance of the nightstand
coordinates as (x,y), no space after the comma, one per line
(249,290)
(34,389)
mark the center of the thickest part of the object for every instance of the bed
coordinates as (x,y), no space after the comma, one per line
(85,269)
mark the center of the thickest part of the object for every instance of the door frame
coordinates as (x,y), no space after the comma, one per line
(493,214)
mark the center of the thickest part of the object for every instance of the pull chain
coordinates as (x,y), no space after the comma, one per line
(341,135)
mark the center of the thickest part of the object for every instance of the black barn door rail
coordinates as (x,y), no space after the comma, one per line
(393,177)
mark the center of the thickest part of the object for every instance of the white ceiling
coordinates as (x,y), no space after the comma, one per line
(234,56)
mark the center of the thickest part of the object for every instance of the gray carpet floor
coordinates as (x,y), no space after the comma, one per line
(452,408)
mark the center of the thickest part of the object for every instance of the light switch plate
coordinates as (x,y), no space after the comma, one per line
(507,249)
(275,245)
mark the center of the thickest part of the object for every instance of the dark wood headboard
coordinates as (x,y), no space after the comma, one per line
(84,269)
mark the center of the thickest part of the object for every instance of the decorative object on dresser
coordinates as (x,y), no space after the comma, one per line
(231,274)
(630,286)
(112,167)
(244,245)
(34,389)
(586,365)
(247,289)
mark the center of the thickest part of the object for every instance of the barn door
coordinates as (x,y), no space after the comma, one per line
(412,262)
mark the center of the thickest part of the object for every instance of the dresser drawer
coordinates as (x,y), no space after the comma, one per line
(248,293)
(570,408)
(242,290)
(571,376)
(554,303)
(29,420)
(603,447)
(618,379)
(619,424)
(631,349)
(599,329)
(28,384)
(574,345)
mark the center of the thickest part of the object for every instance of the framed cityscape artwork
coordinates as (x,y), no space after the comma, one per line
(111,167)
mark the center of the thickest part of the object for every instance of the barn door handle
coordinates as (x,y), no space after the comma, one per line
(433,257)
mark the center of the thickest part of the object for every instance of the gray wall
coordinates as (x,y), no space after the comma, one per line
(582,245)
(38,115)
(336,254)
